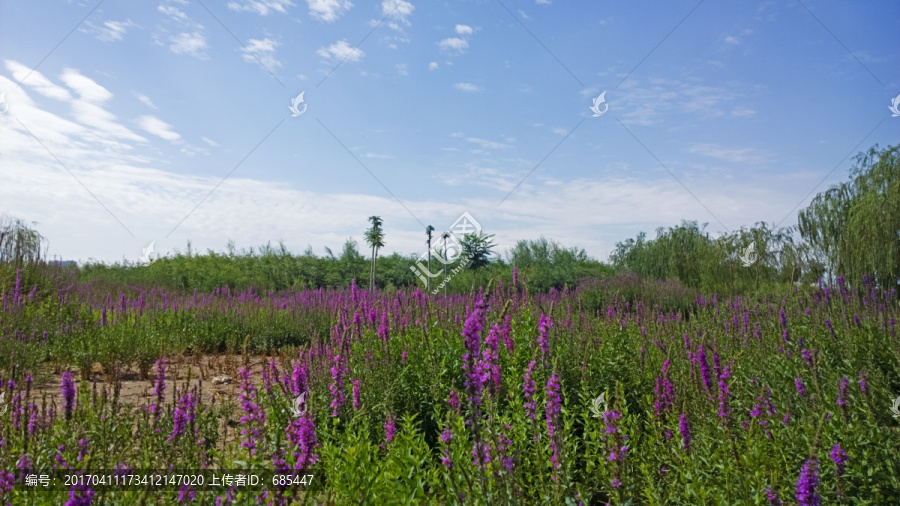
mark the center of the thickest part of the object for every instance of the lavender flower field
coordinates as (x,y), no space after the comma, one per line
(491,398)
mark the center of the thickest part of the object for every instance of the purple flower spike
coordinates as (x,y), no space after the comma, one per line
(807,483)
(68,393)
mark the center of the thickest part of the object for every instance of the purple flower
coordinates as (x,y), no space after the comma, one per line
(773,497)
(298,379)
(80,495)
(839,457)
(301,433)
(863,385)
(828,324)
(616,483)
(665,392)
(843,383)
(704,369)
(783,318)
(254,417)
(337,386)
(685,429)
(68,393)
(454,401)
(357,402)
(384,330)
(807,483)
(554,403)
(472,340)
(544,326)
(724,394)
(184,414)
(807,355)
(390,429)
(515,276)
(446,436)
(489,366)
(801,388)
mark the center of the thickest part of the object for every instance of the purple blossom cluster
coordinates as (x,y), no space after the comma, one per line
(665,392)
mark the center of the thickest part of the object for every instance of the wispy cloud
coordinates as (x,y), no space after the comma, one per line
(399,10)
(464,30)
(110,31)
(174,12)
(467,87)
(454,44)
(433,66)
(264,50)
(37,81)
(340,50)
(146,101)
(328,10)
(487,144)
(158,127)
(733,155)
(261,7)
(192,44)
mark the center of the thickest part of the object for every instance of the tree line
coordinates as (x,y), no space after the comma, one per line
(853,228)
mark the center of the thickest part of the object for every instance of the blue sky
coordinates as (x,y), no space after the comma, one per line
(729,113)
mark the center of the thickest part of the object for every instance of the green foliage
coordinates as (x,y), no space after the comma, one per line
(854,227)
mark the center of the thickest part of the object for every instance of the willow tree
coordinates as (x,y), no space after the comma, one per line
(855,226)
(19,243)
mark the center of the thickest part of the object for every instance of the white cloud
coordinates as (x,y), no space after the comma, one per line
(191,44)
(733,155)
(454,43)
(87,88)
(158,127)
(467,87)
(110,31)
(433,65)
(210,142)
(542,2)
(560,131)
(261,7)
(146,101)
(263,50)
(487,144)
(174,13)
(732,40)
(37,81)
(402,70)
(464,30)
(328,10)
(341,50)
(398,9)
